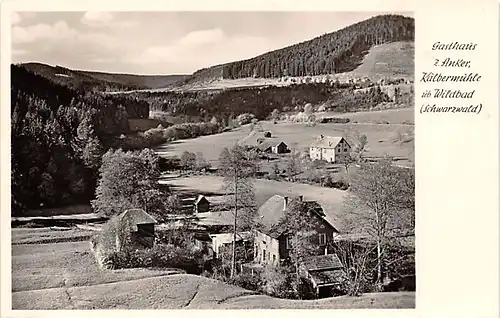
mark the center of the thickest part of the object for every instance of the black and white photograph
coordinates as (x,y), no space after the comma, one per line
(212,160)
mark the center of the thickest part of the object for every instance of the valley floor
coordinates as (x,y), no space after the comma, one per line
(65,276)
(380,127)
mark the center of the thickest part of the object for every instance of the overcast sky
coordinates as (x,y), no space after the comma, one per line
(163,42)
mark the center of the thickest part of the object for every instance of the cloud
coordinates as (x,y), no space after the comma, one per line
(216,46)
(60,43)
(104,19)
(96,18)
(202,37)
(15,18)
(58,31)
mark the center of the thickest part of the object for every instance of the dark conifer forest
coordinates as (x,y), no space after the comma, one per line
(335,52)
(56,135)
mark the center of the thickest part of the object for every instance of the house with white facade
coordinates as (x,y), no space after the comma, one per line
(330,149)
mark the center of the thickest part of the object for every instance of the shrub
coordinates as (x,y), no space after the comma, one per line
(245,118)
(188,160)
(247,281)
(160,256)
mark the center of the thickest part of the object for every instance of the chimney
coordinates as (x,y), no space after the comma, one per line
(285,203)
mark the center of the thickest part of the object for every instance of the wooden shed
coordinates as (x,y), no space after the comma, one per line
(201,204)
(138,227)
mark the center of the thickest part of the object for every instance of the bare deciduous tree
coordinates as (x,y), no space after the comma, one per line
(381,204)
(293,164)
(238,166)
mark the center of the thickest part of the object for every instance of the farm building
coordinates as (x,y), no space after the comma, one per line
(330,149)
(201,204)
(325,272)
(273,146)
(223,241)
(138,227)
(271,243)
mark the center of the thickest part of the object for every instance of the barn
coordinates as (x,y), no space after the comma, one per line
(274,147)
(201,204)
(138,227)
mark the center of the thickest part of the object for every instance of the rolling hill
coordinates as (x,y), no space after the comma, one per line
(337,52)
(99,80)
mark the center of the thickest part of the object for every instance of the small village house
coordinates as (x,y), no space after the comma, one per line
(330,149)
(271,244)
(276,147)
(201,204)
(138,227)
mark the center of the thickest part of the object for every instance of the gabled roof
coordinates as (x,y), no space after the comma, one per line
(325,269)
(270,213)
(322,262)
(327,141)
(266,144)
(200,198)
(133,217)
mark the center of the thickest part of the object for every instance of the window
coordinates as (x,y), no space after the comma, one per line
(288,244)
(274,258)
(322,238)
(345,149)
(264,255)
(338,149)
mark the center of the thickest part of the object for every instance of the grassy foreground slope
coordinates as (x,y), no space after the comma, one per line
(187,291)
(66,276)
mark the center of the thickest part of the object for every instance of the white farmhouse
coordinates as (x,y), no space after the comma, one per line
(330,149)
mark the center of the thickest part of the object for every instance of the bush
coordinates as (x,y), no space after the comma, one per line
(245,118)
(188,160)
(247,281)
(160,256)
(341,184)
(282,282)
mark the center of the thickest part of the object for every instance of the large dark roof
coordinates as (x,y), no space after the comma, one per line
(270,213)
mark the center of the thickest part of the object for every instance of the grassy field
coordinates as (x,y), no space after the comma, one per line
(40,266)
(381,137)
(331,199)
(47,235)
(395,59)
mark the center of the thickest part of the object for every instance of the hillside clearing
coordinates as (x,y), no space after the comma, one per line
(300,135)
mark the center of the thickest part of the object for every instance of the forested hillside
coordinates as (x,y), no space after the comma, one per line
(261,102)
(56,135)
(99,81)
(336,52)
